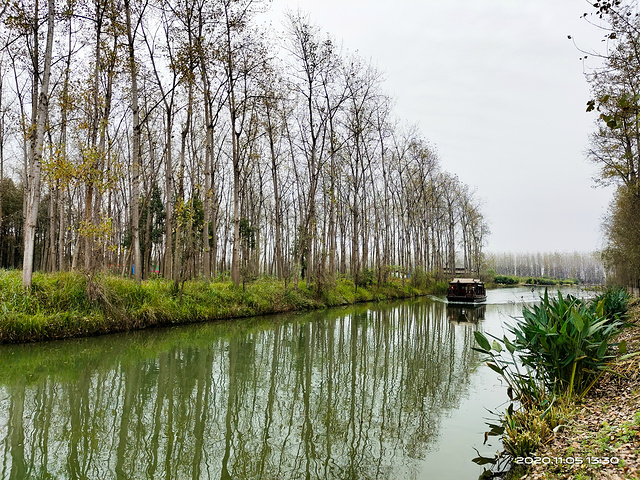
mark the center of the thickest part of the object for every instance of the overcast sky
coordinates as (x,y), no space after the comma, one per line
(499,89)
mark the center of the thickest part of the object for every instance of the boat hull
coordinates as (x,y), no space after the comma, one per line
(479,299)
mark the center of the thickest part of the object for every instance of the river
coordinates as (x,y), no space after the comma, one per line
(375,391)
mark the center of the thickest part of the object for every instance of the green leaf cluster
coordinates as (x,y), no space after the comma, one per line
(523,382)
(615,302)
(567,341)
(247,234)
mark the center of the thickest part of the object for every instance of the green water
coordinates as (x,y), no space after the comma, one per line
(392,391)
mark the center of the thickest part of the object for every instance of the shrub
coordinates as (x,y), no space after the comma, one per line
(365,278)
(419,278)
(567,340)
(489,276)
(615,301)
(525,430)
(563,342)
(440,287)
(506,280)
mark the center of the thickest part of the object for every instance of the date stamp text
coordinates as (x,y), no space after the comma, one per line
(567,460)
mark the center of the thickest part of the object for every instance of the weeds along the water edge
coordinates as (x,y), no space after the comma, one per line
(550,358)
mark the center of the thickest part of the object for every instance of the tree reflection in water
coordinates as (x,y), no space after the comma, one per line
(352,393)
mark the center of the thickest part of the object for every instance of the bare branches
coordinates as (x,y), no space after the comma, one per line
(288,160)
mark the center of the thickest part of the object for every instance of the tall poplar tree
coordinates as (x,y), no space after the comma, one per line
(40,110)
(135,148)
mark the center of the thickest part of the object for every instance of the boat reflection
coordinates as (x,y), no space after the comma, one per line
(466,313)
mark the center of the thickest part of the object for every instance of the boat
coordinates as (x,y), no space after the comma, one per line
(466,290)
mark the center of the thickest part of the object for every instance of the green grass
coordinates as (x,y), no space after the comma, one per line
(70,304)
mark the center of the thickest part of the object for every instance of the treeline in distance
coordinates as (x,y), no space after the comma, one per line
(584,267)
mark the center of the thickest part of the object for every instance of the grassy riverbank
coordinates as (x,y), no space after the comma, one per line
(69,304)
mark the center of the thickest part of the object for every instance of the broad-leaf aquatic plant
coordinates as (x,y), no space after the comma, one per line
(566,340)
(556,351)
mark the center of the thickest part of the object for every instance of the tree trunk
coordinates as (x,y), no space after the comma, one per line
(180,205)
(135,154)
(168,180)
(235,151)
(37,139)
(1,149)
(276,195)
(208,162)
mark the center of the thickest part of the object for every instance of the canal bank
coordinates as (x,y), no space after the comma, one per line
(65,305)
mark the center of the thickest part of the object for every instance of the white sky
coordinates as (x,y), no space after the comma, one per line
(499,89)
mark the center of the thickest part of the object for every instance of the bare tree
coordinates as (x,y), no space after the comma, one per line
(136,145)
(40,110)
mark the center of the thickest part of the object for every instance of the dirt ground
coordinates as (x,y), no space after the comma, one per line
(602,440)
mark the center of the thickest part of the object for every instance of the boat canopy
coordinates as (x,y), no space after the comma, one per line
(466,280)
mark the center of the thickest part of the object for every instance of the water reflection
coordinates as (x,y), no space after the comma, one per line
(466,313)
(346,394)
